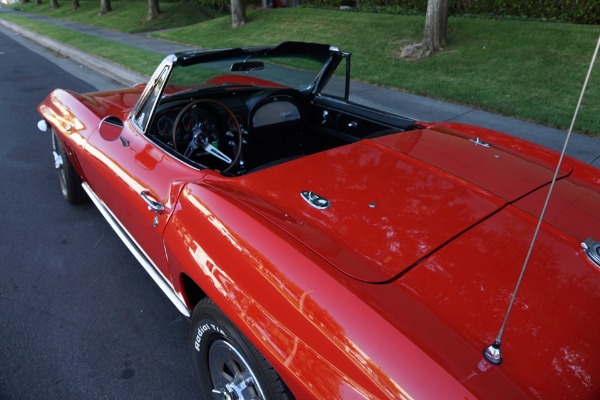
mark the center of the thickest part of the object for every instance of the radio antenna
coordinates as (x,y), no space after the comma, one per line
(493,353)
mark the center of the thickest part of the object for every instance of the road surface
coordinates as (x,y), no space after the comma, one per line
(79,317)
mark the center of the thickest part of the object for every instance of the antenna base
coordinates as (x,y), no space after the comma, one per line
(493,353)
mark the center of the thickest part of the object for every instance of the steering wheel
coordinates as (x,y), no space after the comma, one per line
(201,140)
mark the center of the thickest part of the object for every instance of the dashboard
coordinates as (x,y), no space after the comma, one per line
(227,127)
(211,121)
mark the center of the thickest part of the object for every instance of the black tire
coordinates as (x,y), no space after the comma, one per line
(222,355)
(70,182)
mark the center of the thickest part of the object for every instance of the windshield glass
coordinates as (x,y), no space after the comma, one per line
(282,70)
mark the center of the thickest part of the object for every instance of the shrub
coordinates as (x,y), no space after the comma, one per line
(575,11)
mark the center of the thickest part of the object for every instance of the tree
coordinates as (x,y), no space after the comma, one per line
(434,34)
(238,13)
(153,10)
(105,7)
(75,5)
(54,4)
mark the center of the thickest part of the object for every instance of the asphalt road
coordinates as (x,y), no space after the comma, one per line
(79,317)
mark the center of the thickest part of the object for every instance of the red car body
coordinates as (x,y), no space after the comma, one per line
(393,290)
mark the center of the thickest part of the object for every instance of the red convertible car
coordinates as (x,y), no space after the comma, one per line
(327,250)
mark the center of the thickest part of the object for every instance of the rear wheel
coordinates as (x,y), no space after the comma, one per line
(70,182)
(228,366)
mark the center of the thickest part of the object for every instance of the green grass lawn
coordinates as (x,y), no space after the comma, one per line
(126,16)
(525,69)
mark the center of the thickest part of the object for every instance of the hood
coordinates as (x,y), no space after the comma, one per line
(392,201)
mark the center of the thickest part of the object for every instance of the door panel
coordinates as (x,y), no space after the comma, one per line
(354,122)
(139,184)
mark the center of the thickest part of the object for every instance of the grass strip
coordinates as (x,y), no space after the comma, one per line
(525,69)
(528,69)
(141,61)
(127,16)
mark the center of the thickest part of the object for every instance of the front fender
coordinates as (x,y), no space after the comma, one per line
(69,116)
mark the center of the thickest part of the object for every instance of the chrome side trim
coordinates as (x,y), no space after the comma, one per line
(148,265)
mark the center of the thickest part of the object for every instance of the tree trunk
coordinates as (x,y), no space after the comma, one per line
(75,5)
(436,24)
(105,7)
(238,13)
(434,34)
(54,4)
(153,10)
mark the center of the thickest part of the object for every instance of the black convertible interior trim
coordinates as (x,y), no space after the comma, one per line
(278,125)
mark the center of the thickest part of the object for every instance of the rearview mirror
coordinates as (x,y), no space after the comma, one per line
(111,128)
(247,66)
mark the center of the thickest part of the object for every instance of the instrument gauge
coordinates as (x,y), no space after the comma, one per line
(208,125)
(165,126)
(231,124)
(188,120)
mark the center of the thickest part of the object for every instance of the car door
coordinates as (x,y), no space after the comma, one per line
(139,184)
(137,181)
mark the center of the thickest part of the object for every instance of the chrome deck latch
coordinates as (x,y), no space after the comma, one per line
(316,201)
(591,249)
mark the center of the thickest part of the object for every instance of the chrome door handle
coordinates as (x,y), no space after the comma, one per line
(153,205)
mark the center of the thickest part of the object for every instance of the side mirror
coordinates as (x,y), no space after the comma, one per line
(111,128)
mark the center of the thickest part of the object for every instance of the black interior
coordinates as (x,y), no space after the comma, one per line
(277,125)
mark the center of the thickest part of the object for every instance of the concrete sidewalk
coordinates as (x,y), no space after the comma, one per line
(582,147)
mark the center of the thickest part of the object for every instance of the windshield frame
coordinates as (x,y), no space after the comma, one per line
(157,89)
(294,65)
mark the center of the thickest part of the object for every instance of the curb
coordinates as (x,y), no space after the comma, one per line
(106,68)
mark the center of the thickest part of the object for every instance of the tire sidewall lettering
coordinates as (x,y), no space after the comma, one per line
(206,329)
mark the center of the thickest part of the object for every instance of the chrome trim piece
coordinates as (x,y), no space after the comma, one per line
(493,353)
(162,71)
(153,205)
(316,201)
(591,249)
(42,125)
(58,161)
(137,252)
(479,142)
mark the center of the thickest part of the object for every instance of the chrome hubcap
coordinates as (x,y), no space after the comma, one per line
(58,161)
(231,375)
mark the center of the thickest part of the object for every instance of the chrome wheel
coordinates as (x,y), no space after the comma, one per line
(228,366)
(69,180)
(231,374)
(58,165)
